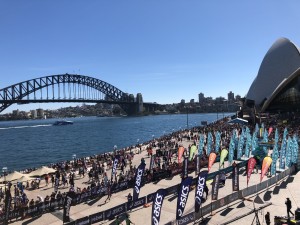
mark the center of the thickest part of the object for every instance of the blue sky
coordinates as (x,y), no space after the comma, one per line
(167,50)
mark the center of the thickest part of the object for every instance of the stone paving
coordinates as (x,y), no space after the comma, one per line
(276,194)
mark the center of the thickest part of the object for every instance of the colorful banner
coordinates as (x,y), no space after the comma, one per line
(201,182)
(138,180)
(215,187)
(157,205)
(67,205)
(193,151)
(250,168)
(295,149)
(283,149)
(185,168)
(265,166)
(114,167)
(241,143)
(288,159)
(275,153)
(270,131)
(211,160)
(201,144)
(183,195)
(180,153)
(209,143)
(235,177)
(224,154)
(197,169)
(218,139)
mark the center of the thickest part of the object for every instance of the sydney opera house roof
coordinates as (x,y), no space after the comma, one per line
(277,84)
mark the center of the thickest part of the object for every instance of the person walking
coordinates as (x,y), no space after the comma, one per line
(288,207)
(267,218)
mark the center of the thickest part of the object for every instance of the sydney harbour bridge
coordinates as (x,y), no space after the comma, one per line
(72,88)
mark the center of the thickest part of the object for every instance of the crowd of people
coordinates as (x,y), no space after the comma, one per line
(96,167)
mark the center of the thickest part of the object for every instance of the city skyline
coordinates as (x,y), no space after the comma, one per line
(168,51)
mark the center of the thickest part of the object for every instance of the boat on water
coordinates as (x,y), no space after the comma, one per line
(62,122)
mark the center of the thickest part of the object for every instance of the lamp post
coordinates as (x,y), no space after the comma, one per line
(74,158)
(115,149)
(4,171)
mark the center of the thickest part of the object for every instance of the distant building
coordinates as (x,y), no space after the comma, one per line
(33,114)
(40,113)
(182,101)
(277,84)
(230,96)
(139,100)
(192,101)
(201,98)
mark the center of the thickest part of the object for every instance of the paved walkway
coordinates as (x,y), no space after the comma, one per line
(276,194)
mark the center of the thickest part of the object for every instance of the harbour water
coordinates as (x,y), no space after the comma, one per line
(33,143)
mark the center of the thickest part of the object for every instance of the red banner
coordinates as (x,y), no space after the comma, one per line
(251,165)
(265,166)
(180,153)
(270,131)
(211,160)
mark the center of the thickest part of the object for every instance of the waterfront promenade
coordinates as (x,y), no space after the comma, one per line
(276,195)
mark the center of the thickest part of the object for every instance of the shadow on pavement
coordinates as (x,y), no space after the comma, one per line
(31,220)
(241,205)
(226,211)
(267,196)
(204,221)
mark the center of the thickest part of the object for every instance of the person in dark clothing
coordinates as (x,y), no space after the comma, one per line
(267,218)
(129,198)
(288,207)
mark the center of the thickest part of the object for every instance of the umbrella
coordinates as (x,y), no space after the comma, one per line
(25,178)
(41,171)
(12,176)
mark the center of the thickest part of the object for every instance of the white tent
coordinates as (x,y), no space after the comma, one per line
(41,171)
(12,176)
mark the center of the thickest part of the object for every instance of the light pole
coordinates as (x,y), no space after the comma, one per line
(4,171)
(74,158)
(115,149)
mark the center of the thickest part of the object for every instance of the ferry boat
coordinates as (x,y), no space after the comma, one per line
(62,122)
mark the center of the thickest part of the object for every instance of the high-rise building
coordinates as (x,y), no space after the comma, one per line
(230,96)
(201,98)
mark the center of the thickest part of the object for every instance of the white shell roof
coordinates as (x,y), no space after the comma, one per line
(282,59)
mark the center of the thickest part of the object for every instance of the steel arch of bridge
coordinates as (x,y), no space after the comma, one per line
(20,92)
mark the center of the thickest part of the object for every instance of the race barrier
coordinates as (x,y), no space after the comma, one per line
(111,213)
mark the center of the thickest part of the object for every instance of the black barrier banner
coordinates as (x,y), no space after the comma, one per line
(215,187)
(157,205)
(187,219)
(183,196)
(70,223)
(201,182)
(97,217)
(138,180)
(235,178)
(7,205)
(134,204)
(114,168)
(111,213)
(120,186)
(67,206)
(83,221)
(185,168)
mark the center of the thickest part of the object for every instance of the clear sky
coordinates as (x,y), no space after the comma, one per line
(167,50)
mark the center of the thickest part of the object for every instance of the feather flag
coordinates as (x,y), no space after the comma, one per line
(193,151)
(248,142)
(295,149)
(265,166)
(275,153)
(224,154)
(282,150)
(265,140)
(288,158)
(209,143)
(250,168)
(241,145)
(180,153)
(218,139)
(211,160)
(201,144)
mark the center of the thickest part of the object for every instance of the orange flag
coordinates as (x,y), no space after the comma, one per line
(265,166)
(180,153)
(211,160)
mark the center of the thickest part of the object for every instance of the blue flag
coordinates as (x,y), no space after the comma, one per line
(183,195)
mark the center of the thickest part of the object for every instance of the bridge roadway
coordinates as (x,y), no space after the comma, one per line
(276,194)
